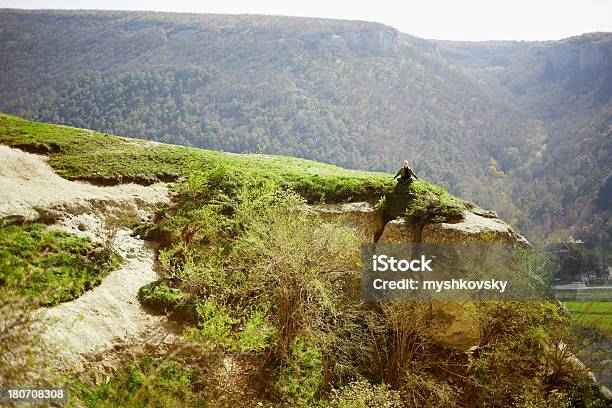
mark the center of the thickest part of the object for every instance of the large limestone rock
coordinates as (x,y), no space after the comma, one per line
(474,228)
(359,215)
(457,326)
(399,231)
(457,321)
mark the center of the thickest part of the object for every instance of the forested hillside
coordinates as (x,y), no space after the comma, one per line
(522,128)
(568,86)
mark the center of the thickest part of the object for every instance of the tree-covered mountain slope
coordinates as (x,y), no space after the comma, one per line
(567,85)
(473,117)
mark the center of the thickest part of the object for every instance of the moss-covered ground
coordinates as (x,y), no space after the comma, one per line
(48,266)
(87,155)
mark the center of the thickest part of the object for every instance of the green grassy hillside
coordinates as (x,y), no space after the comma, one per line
(268,290)
(80,154)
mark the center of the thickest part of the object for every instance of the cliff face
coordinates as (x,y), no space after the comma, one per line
(572,55)
(458,327)
(359,215)
(476,226)
(372,41)
(377,42)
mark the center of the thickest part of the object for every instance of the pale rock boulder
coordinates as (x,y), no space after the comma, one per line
(360,215)
(474,228)
(460,329)
(399,231)
(458,323)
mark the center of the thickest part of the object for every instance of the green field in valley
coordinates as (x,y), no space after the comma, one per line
(597,314)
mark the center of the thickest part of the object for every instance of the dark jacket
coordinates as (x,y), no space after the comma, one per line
(405,173)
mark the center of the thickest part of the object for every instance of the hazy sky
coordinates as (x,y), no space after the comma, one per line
(439,19)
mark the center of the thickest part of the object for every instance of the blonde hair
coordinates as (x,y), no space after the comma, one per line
(405,163)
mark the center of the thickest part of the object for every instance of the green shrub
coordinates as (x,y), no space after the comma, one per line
(258,333)
(421,388)
(215,324)
(148,382)
(522,360)
(362,394)
(429,203)
(222,328)
(300,380)
(422,202)
(162,297)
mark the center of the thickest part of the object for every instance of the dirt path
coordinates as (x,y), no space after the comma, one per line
(108,317)
(107,320)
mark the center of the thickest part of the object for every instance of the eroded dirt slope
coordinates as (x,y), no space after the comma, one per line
(107,320)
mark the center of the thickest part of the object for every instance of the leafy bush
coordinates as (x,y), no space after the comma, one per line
(162,297)
(300,380)
(362,394)
(522,359)
(148,382)
(258,333)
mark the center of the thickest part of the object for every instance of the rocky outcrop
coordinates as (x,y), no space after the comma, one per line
(477,226)
(474,228)
(456,320)
(374,41)
(399,231)
(360,215)
(578,54)
(377,40)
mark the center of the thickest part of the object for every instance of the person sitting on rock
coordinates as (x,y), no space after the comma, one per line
(405,174)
